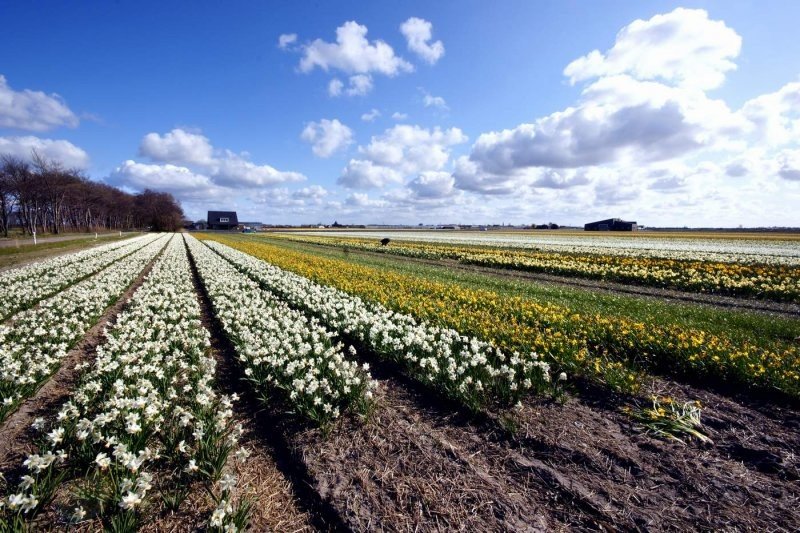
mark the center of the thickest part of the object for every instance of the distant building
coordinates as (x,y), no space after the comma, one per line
(611,224)
(224,220)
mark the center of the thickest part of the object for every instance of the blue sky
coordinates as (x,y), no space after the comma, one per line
(686,114)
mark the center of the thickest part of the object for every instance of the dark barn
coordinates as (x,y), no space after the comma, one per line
(611,224)
(222,220)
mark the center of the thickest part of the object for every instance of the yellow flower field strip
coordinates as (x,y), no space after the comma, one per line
(768,281)
(602,347)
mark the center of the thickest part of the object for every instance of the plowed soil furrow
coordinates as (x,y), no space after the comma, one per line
(15,435)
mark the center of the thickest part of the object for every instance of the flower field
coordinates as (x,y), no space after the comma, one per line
(761,269)
(269,384)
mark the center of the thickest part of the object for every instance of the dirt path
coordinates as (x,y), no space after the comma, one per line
(15,435)
(791,310)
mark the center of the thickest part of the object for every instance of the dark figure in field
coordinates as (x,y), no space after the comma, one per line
(384,242)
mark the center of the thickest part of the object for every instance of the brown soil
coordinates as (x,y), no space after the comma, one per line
(788,309)
(15,435)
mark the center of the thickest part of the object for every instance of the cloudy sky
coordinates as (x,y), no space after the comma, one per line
(419,112)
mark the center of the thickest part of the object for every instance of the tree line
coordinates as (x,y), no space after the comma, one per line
(43,196)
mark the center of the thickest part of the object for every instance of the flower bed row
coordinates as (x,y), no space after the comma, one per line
(32,348)
(22,287)
(471,371)
(280,348)
(144,421)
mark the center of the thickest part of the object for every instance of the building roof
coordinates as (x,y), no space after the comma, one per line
(214,216)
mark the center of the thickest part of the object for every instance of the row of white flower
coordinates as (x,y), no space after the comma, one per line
(464,368)
(23,287)
(32,347)
(145,416)
(280,348)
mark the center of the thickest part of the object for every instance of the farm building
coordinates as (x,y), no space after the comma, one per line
(222,220)
(611,224)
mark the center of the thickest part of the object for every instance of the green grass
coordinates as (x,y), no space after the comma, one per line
(14,255)
(758,328)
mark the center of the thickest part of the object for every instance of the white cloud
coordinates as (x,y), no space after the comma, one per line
(411,149)
(775,116)
(418,32)
(286,39)
(617,119)
(364,174)
(400,151)
(789,165)
(225,167)
(327,137)
(33,110)
(358,199)
(429,100)
(433,185)
(297,201)
(353,53)
(399,116)
(60,151)
(177,146)
(335,87)
(360,85)
(684,47)
(178,180)
(371,115)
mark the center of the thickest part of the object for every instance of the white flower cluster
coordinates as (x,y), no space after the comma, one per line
(32,347)
(145,408)
(22,287)
(281,348)
(465,368)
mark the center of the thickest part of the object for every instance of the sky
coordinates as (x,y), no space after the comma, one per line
(466,112)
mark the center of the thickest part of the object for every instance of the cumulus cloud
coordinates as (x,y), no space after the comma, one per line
(327,137)
(400,151)
(364,174)
(63,152)
(180,147)
(297,201)
(178,180)
(399,116)
(684,47)
(335,87)
(33,110)
(370,115)
(353,53)
(177,146)
(358,199)
(428,100)
(418,33)
(775,116)
(433,185)
(286,39)
(789,165)
(360,84)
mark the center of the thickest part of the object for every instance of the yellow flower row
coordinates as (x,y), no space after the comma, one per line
(769,281)
(610,349)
